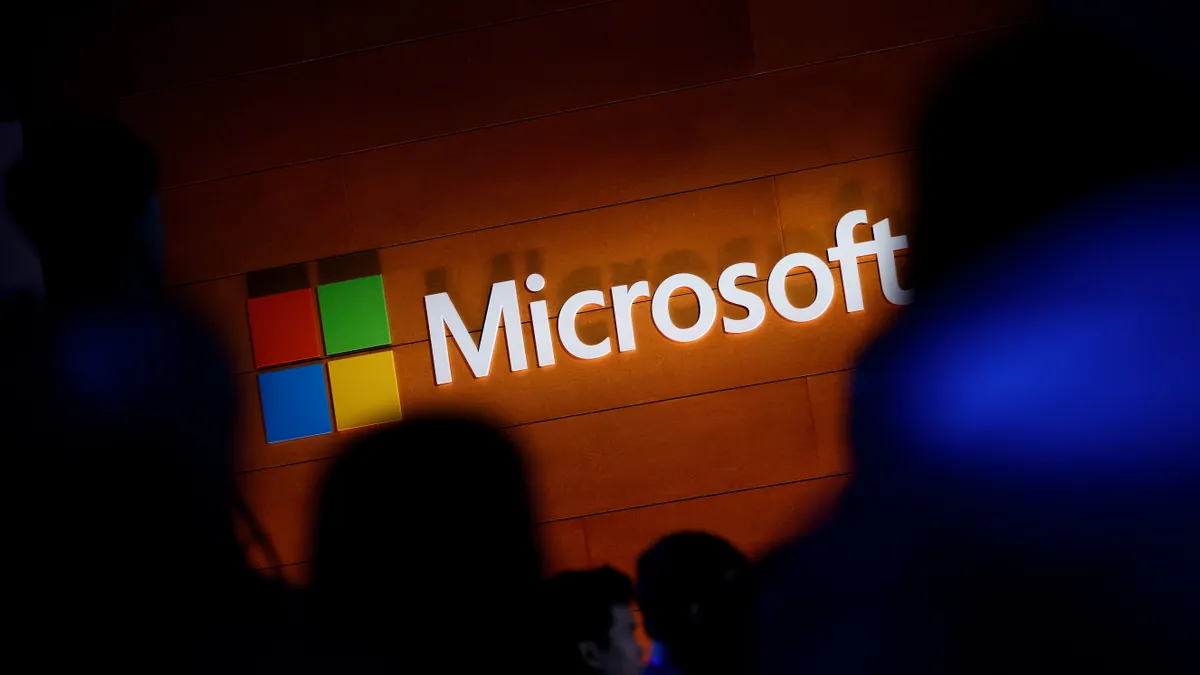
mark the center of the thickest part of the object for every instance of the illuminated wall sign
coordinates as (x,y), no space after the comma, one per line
(325,356)
(503,304)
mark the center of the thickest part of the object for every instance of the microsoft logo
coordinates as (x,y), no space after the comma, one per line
(300,325)
(350,317)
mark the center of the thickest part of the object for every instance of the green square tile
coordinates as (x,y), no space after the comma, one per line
(354,315)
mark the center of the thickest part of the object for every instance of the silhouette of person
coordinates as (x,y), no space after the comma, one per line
(129,499)
(1025,470)
(83,192)
(20,271)
(693,589)
(126,407)
(590,624)
(424,549)
(1032,126)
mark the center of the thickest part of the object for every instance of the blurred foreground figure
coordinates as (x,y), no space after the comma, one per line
(590,623)
(128,515)
(84,194)
(693,588)
(1031,127)
(1028,452)
(1027,448)
(126,529)
(425,552)
(20,271)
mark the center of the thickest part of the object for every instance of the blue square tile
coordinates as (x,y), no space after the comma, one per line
(295,403)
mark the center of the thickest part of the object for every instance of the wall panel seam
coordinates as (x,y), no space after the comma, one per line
(360,50)
(587,545)
(667,92)
(562,214)
(246,472)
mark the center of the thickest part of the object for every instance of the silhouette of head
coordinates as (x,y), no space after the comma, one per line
(1030,419)
(692,588)
(1023,465)
(590,624)
(1026,470)
(84,193)
(132,473)
(424,545)
(1029,127)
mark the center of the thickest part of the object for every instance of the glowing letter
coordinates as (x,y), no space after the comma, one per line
(847,252)
(502,306)
(777,290)
(886,251)
(884,247)
(566,326)
(660,308)
(623,298)
(753,304)
(541,322)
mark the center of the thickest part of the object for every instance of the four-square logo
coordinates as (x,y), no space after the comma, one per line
(300,325)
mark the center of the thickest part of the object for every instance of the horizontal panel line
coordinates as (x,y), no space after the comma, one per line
(271,568)
(592,309)
(668,92)
(696,497)
(359,50)
(643,506)
(640,404)
(562,214)
(681,398)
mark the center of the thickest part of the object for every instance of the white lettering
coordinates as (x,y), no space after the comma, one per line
(660,307)
(888,278)
(883,246)
(623,298)
(540,317)
(756,310)
(777,289)
(566,326)
(440,313)
(846,252)
(503,305)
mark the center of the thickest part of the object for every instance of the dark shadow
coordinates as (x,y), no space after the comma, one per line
(533,262)
(347,267)
(583,279)
(629,273)
(436,282)
(850,195)
(736,251)
(503,269)
(676,262)
(277,280)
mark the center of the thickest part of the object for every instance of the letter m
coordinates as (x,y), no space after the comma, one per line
(502,308)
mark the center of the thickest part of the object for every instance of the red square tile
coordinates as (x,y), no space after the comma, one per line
(283,327)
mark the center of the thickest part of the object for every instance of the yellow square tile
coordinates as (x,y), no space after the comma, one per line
(364,390)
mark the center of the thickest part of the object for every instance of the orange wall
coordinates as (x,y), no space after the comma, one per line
(597,143)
